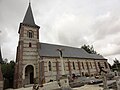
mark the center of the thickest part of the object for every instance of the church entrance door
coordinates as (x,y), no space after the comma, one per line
(29,74)
(31,78)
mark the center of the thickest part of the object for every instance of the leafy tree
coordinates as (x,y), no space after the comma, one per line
(89,49)
(116,65)
(8,73)
(5,60)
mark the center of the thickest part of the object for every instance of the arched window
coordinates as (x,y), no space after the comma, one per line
(49,66)
(99,64)
(105,63)
(83,65)
(74,65)
(30,34)
(91,65)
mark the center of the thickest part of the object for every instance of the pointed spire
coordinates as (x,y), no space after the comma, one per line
(1,60)
(29,19)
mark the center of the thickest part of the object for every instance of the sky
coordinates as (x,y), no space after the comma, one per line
(65,22)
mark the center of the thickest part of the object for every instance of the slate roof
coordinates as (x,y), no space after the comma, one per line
(29,19)
(50,50)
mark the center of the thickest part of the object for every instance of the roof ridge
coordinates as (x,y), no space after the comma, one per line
(60,45)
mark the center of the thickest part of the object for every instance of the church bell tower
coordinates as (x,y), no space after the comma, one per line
(26,67)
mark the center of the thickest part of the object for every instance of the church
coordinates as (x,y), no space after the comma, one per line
(38,62)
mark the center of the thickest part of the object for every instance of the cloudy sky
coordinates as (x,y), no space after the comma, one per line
(65,22)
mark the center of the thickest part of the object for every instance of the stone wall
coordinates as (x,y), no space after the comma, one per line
(85,66)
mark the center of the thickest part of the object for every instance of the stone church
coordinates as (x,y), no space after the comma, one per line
(40,62)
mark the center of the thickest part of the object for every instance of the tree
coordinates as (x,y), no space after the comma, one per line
(5,60)
(89,49)
(116,65)
(8,73)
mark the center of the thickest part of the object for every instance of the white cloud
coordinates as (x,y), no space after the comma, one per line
(65,22)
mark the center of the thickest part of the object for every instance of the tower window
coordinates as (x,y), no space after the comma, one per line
(50,66)
(30,34)
(30,45)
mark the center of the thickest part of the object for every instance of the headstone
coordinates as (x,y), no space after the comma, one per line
(64,83)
